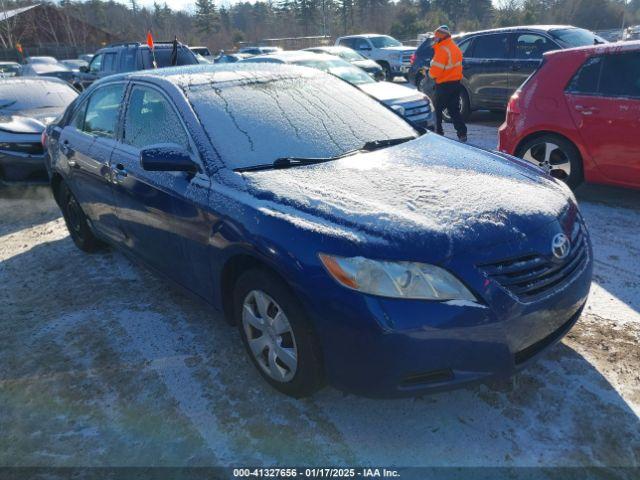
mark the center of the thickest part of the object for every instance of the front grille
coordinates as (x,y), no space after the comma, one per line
(416,109)
(530,277)
(406,58)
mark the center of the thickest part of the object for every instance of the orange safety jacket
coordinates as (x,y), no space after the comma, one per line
(446,64)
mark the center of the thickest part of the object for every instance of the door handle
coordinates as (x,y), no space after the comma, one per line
(586,110)
(119,173)
(66,149)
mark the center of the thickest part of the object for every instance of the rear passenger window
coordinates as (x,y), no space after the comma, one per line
(108,63)
(348,42)
(151,120)
(129,60)
(102,111)
(620,75)
(531,47)
(587,78)
(491,46)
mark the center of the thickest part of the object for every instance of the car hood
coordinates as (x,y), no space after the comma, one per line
(400,48)
(28,121)
(430,194)
(389,92)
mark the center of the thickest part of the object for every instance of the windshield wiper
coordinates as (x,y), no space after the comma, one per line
(389,142)
(288,162)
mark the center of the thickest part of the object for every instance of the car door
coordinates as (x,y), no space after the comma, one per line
(363,47)
(604,100)
(486,69)
(162,214)
(528,49)
(86,144)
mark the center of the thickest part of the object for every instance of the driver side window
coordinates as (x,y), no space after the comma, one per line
(152,120)
(96,64)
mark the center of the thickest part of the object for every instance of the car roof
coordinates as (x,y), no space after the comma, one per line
(602,48)
(190,75)
(534,28)
(366,35)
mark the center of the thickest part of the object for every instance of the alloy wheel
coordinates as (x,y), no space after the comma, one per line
(548,156)
(270,336)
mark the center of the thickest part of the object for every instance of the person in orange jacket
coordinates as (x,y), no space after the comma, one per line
(446,71)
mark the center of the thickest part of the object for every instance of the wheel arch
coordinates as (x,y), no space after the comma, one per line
(542,133)
(56,182)
(233,267)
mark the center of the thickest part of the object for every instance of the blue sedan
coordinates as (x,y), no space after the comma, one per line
(348,247)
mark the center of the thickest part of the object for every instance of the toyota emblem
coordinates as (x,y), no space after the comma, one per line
(560,246)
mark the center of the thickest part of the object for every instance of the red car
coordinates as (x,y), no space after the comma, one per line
(579,115)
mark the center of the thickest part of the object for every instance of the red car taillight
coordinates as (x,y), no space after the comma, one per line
(412,59)
(514,103)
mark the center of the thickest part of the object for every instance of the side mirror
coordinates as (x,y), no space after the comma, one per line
(84,69)
(167,158)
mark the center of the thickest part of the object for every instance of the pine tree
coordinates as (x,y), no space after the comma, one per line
(206,17)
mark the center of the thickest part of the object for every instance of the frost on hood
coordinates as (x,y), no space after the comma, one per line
(429,184)
(259,115)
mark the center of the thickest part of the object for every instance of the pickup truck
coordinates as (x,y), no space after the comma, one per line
(391,55)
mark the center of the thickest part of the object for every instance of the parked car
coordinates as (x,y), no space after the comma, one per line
(412,105)
(10,69)
(631,33)
(204,52)
(354,58)
(51,60)
(86,57)
(344,246)
(498,61)
(259,50)
(201,59)
(27,105)
(231,57)
(393,57)
(580,115)
(127,57)
(74,64)
(47,69)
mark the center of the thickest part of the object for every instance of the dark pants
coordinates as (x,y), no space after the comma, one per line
(447,95)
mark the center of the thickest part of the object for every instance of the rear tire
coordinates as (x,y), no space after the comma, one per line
(277,334)
(77,222)
(553,152)
(465,108)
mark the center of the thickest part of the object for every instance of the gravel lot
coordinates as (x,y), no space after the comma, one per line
(103,364)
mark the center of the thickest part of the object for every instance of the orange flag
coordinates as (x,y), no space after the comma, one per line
(150,39)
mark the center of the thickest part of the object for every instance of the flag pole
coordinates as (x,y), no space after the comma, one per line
(151,46)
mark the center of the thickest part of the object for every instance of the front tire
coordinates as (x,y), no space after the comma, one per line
(553,152)
(465,108)
(77,222)
(277,334)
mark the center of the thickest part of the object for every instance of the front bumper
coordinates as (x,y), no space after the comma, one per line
(382,347)
(19,167)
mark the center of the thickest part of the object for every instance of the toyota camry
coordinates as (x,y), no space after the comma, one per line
(347,247)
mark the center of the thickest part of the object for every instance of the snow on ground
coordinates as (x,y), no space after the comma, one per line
(102,363)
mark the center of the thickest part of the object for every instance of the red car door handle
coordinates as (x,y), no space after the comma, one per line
(586,110)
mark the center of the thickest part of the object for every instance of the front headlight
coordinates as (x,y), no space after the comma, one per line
(396,279)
